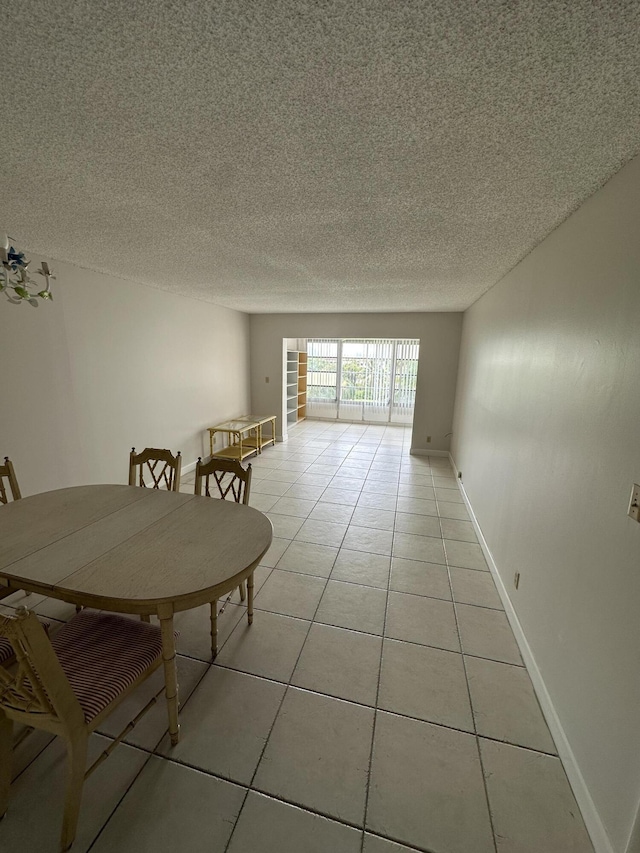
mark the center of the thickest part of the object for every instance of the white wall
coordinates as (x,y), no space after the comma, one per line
(109,365)
(439,345)
(547,436)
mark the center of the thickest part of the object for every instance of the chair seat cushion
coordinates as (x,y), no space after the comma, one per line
(6,650)
(102,654)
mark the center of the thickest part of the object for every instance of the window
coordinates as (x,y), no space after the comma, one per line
(322,370)
(362,379)
(404,382)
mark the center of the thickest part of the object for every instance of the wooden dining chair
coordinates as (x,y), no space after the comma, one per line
(8,480)
(8,485)
(68,685)
(228,480)
(7,654)
(161,468)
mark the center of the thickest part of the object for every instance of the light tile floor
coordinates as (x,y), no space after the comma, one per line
(378,704)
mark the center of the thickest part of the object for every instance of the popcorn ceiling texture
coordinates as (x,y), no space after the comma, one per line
(283,155)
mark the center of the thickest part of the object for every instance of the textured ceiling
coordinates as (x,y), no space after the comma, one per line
(283,155)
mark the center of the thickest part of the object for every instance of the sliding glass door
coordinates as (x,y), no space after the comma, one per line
(365,382)
(405,376)
(372,380)
(322,378)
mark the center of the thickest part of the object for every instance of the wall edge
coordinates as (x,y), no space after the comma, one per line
(593,823)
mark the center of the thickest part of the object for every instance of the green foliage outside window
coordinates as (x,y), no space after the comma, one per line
(365,380)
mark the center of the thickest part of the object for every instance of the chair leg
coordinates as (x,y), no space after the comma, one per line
(145,617)
(250,599)
(214,629)
(6,745)
(76,767)
(165,615)
(243,593)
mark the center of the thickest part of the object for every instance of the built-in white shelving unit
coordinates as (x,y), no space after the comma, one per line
(296,386)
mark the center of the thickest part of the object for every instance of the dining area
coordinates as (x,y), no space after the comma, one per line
(377,704)
(128,558)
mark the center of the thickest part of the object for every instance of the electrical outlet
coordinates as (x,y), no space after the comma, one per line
(634,503)
(516,580)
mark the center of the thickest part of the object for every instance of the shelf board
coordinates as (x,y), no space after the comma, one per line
(233,452)
(296,386)
(253,442)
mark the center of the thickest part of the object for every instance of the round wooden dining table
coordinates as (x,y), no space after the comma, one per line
(133,550)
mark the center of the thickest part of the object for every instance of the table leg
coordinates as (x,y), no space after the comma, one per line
(214,629)
(165,614)
(250,599)
(6,748)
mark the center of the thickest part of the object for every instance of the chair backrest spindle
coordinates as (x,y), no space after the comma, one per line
(38,685)
(160,467)
(9,475)
(225,477)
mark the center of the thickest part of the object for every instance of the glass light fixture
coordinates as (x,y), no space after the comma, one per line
(15,280)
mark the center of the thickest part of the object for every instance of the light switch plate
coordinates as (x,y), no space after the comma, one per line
(634,503)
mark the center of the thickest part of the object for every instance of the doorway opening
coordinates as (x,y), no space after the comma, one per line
(369,380)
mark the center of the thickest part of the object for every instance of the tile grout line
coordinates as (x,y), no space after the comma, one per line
(473,716)
(289,683)
(376,710)
(120,800)
(277,714)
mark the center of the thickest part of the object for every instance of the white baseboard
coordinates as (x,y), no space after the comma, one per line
(593,823)
(187,469)
(420,452)
(355,422)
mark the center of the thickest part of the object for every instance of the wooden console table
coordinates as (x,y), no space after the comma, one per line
(240,442)
(259,440)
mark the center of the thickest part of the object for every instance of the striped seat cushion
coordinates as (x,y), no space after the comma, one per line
(6,649)
(102,654)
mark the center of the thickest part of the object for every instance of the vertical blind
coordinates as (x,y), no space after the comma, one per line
(362,379)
